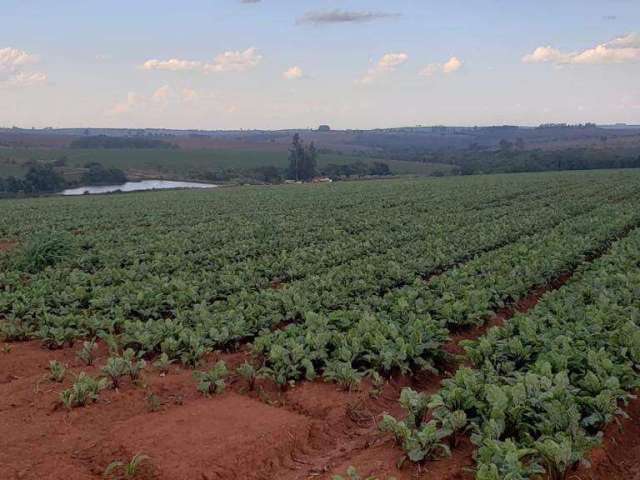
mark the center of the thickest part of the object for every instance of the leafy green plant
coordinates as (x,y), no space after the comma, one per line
(119,470)
(499,460)
(377,383)
(134,365)
(88,352)
(212,381)
(162,363)
(114,369)
(111,341)
(15,330)
(249,373)
(57,336)
(418,444)
(85,390)
(561,453)
(343,374)
(57,371)
(195,349)
(352,474)
(416,405)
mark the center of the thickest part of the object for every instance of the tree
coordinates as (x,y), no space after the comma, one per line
(379,168)
(43,178)
(302,160)
(97,174)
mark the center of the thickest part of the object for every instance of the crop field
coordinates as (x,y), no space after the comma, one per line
(481,327)
(185,164)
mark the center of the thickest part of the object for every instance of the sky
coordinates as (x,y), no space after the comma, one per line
(274,64)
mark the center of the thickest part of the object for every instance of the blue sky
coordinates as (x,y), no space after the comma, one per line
(229,64)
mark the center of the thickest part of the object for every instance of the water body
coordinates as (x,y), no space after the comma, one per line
(135,187)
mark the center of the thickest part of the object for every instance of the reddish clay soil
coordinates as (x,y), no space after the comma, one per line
(191,437)
(6,245)
(619,456)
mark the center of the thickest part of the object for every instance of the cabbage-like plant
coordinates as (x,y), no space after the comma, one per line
(212,381)
(416,405)
(114,370)
(163,363)
(563,451)
(499,460)
(343,374)
(419,444)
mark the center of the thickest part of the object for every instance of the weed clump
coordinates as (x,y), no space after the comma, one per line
(45,250)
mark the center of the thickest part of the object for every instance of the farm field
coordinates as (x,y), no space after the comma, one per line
(186,164)
(466,327)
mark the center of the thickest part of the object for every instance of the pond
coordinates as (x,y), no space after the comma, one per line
(135,187)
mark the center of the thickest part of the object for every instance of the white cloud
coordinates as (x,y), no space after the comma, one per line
(14,72)
(12,59)
(293,73)
(450,66)
(606,54)
(630,40)
(386,64)
(453,65)
(545,54)
(22,79)
(624,49)
(235,61)
(172,65)
(231,61)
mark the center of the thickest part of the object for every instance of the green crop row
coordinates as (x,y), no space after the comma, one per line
(544,385)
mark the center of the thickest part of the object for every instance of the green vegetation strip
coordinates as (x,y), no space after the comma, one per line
(407,328)
(543,386)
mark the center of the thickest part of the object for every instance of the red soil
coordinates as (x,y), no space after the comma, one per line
(6,245)
(619,456)
(191,437)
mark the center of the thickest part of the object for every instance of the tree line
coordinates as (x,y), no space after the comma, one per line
(107,142)
(46,178)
